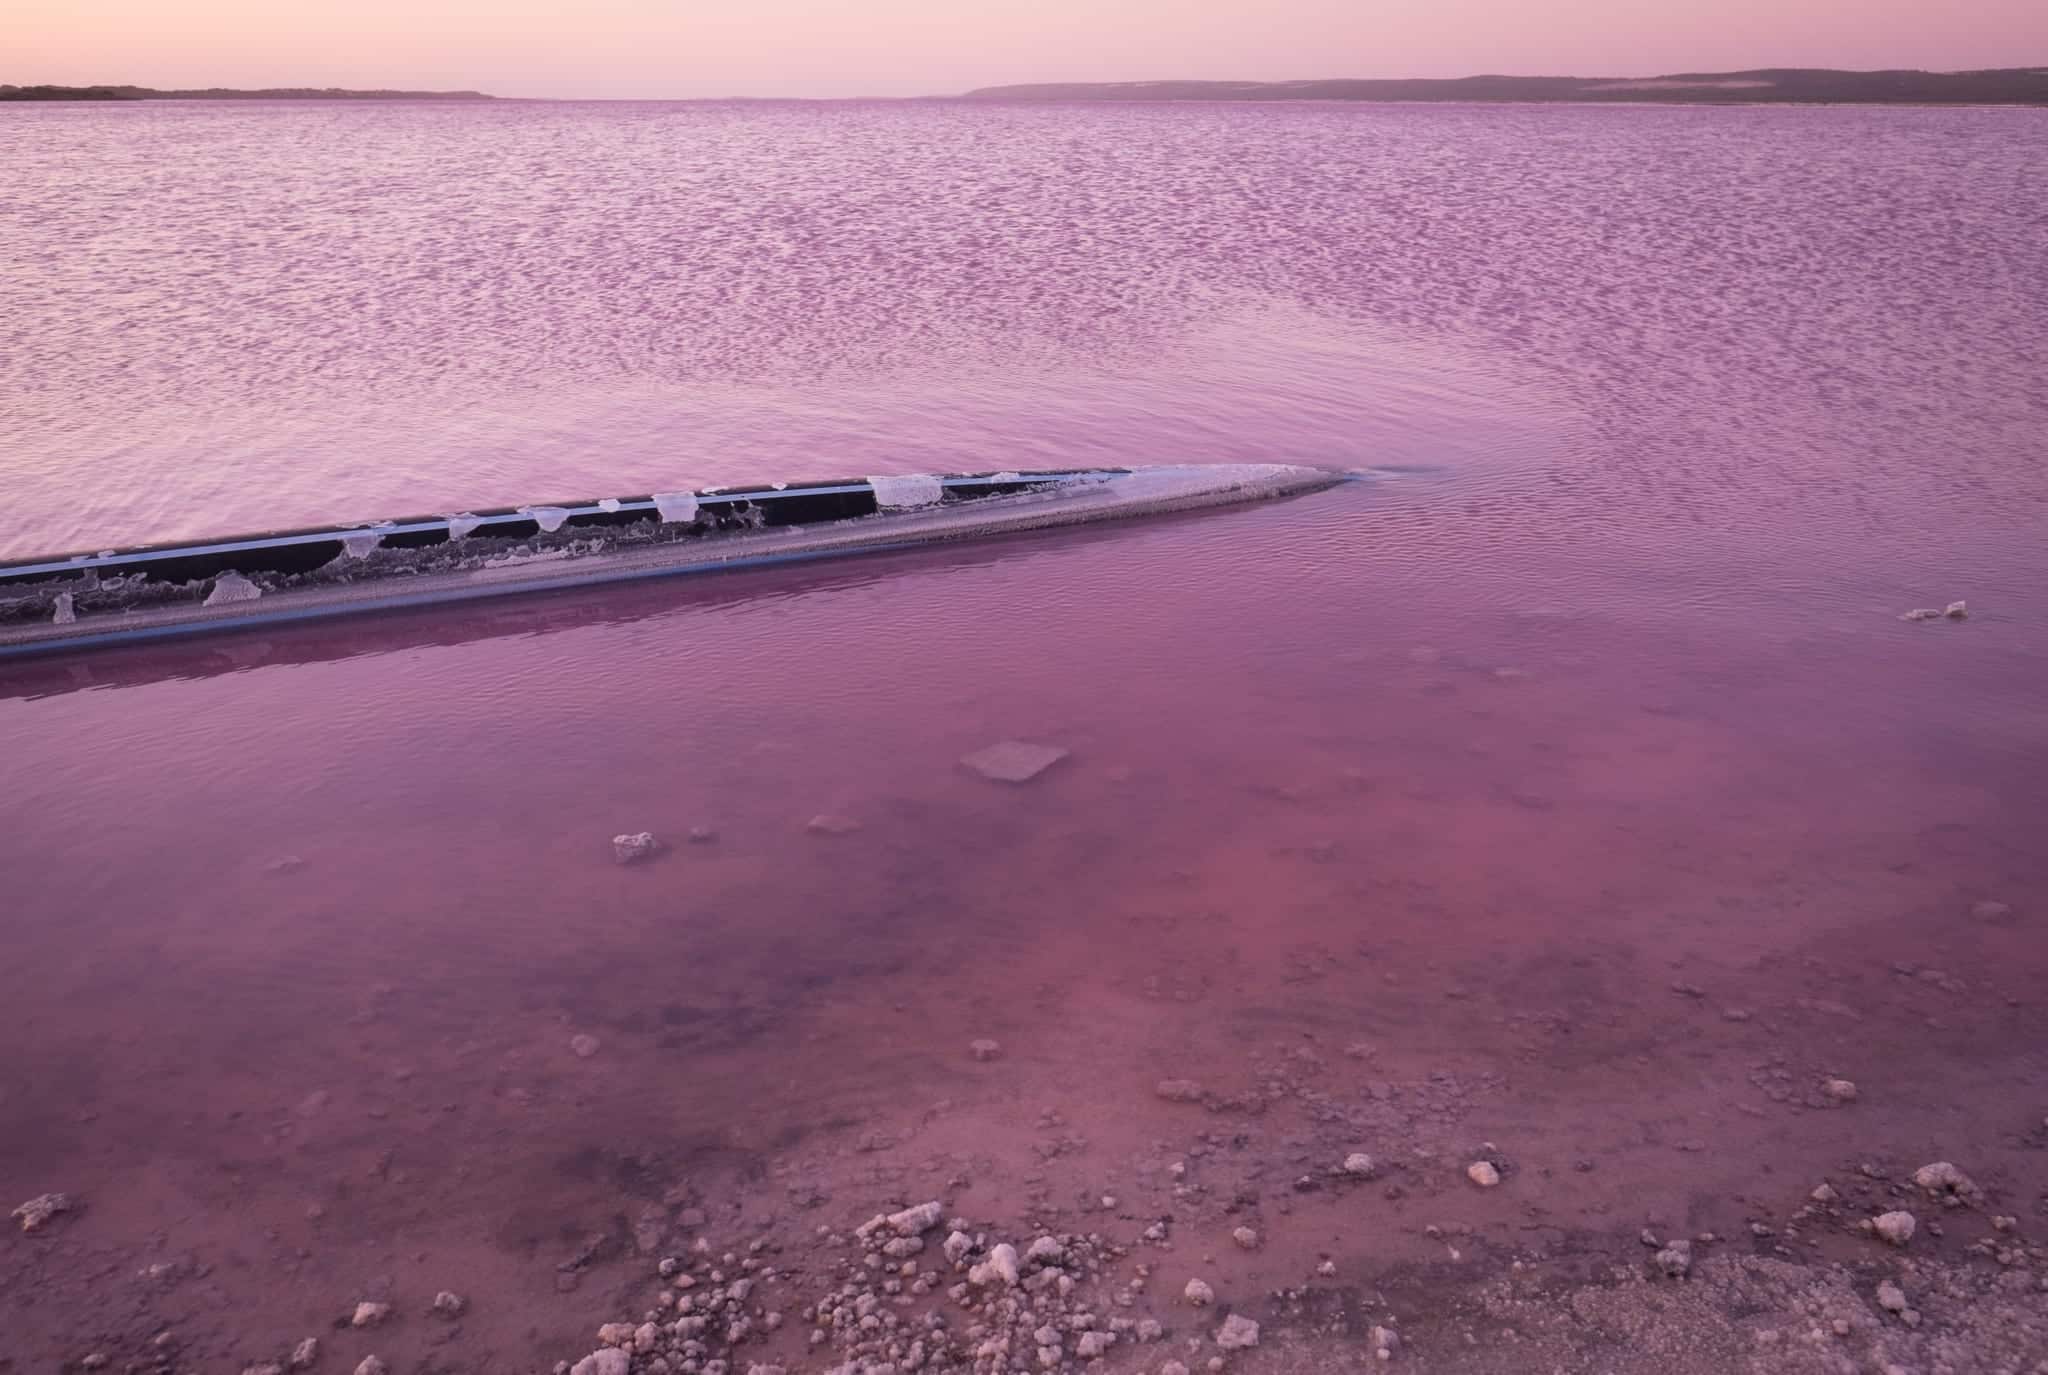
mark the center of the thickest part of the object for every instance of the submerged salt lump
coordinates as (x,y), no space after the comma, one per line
(609,505)
(548,518)
(232,587)
(676,508)
(65,613)
(37,1212)
(914,489)
(462,524)
(360,544)
(1014,761)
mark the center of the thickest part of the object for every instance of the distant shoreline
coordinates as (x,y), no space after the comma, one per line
(2005,86)
(1763,86)
(225,93)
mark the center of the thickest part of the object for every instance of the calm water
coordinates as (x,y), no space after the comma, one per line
(1597,687)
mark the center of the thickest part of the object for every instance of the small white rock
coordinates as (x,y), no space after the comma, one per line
(1841,1090)
(305,1354)
(984,1049)
(1482,1173)
(628,849)
(1358,1165)
(1237,1333)
(584,1044)
(999,1268)
(912,1222)
(1891,1298)
(610,1361)
(450,1305)
(37,1212)
(372,1365)
(1246,1237)
(1385,1341)
(369,1314)
(1199,1293)
(1895,1227)
(1943,1178)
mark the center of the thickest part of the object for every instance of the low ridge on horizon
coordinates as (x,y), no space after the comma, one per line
(112,92)
(1784,85)
(1999,86)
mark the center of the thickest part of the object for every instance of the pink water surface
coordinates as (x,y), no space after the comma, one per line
(1595,686)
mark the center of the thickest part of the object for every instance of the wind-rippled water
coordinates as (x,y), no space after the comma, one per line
(1573,773)
(214,317)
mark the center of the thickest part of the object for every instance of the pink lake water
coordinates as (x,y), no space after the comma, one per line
(1567,787)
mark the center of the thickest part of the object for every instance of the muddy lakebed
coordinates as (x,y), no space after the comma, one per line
(330,988)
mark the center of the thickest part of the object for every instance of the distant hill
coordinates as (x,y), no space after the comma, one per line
(2003,86)
(223,93)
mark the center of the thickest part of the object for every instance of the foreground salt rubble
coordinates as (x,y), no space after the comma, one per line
(914,1290)
(889,1304)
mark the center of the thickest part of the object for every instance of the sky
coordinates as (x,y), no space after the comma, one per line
(692,48)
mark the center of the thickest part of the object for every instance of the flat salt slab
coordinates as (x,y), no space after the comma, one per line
(1014,761)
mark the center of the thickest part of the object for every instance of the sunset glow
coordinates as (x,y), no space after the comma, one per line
(683,48)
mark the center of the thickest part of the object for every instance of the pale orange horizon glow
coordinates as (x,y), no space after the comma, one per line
(695,48)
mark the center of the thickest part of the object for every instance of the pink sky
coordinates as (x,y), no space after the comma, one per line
(919,47)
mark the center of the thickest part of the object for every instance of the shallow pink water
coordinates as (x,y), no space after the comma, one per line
(1598,687)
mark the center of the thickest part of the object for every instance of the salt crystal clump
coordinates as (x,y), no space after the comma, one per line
(1896,1227)
(232,587)
(548,518)
(676,508)
(914,489)
(1199,1293)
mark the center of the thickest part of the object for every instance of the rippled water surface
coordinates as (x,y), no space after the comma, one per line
(1566,790)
